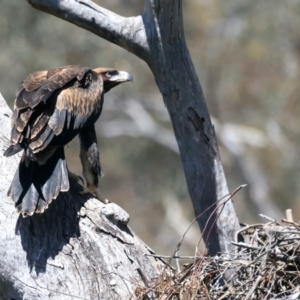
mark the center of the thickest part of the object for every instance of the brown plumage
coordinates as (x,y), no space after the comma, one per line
(50,109)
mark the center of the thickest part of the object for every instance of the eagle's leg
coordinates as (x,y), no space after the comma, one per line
(91,167)
(76,178)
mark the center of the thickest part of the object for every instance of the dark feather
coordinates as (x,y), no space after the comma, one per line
(27,97)
(12,150)
(40,139)
(39,126)
(25,114)
(15,136)
(19,102)
(20,124)
(57,121)
(41,95)
(35,80)
(34,186)
(64,76)
(47,141)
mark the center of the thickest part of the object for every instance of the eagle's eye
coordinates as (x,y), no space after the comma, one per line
(108,74)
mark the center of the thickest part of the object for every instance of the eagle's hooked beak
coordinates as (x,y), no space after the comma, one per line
(122,76)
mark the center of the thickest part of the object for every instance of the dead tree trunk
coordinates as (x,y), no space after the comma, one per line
(78,249)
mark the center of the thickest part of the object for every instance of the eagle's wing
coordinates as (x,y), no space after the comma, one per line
(52,106)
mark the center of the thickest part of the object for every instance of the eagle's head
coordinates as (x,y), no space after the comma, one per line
(112,77)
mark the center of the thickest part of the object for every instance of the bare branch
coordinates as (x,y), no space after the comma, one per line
(128,33)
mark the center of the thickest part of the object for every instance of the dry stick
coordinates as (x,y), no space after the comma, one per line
(283,249)
(183,236)
(175,257)
(212,225)
(289,215)
(268,218)
(244,245)
(186,274)
(223,203)
(229,292)
(230,195)
(177,261)
(246,228)
(292,223)
(285,231)
(272,283)
(296,249)
(258,279)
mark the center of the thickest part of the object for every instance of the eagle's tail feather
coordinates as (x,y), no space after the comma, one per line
(12,150)
(34,186)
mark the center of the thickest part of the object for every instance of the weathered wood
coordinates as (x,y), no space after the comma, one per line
(78,249)
(157,37)
(178,82)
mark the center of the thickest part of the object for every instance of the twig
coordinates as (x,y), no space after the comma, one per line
(266,217)
(175,257)
(244,245)
(289,215)
(177,262)
(225,199)
(257,281)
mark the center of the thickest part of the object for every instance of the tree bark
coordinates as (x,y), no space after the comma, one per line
(157,37)
(78,248)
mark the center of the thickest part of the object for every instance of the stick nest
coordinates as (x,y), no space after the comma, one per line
(266,265)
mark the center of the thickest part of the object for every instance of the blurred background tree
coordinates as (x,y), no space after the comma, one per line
(247,58)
